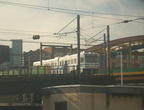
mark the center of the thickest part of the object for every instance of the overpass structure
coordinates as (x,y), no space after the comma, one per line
(33,84)
(124,45)
(19,81)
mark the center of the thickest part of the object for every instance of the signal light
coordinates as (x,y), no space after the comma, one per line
(36,37)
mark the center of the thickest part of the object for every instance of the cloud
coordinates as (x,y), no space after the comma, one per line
(21,18)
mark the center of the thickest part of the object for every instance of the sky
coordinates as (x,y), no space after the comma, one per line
(56,21)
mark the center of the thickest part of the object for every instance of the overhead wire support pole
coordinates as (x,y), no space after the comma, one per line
(65,26)
(105,54)
(121,59)
(41,54)
(108,44)
(78,46)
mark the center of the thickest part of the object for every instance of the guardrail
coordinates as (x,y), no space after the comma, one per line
(37,70)
(44,70)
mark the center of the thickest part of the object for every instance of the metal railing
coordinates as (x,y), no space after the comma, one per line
(46,70)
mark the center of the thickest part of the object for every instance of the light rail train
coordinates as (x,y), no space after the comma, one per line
(68,64)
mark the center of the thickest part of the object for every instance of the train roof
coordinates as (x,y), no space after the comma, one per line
(65,57)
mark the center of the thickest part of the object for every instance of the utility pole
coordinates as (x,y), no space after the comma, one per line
(29,59)
(105,54)
(78,46)
(108,44)
(121,59)
(71,49)
(40,54)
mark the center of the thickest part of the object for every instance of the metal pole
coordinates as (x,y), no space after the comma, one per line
(40,54)
(105,54)
(29,63)
(78,45)
(121,68)
(108,43)
(130,55)
(71,47)
(29,60)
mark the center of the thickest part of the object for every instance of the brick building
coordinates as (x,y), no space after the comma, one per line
(47,53)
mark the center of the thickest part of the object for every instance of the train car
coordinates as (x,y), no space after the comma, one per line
(68,64)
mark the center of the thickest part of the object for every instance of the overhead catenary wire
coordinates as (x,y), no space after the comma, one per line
(66,26)
(124,21)
(25,31)
(5,40)
(90,40)
(98,33)
(32,32)
(82,32)
(87,13)
(60,34)
(64,11)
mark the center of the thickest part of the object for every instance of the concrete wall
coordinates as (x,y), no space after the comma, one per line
(125,103)
(8,98)
(73,102)
(93,101)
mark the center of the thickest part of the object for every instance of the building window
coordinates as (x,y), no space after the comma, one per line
(61,105)
(57,54)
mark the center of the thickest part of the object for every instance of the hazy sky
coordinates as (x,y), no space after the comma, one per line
(21,19)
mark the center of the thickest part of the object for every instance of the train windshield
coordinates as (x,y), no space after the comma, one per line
(91,58)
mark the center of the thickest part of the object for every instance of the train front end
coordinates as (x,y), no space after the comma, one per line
(90,63)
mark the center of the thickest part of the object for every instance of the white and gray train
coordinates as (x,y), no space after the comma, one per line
(68,64)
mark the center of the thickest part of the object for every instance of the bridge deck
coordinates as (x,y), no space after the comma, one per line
(29,81)
(33,84)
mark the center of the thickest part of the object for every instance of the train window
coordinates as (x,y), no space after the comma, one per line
(68,61)
(52,64)
(71,61)
(56,64)
(65,61)
(75,61)
(62,62)
(91,58)
(82,59)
